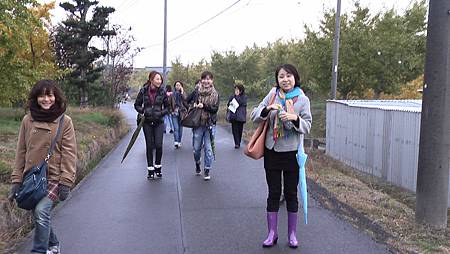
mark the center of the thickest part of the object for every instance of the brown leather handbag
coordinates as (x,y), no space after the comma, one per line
(255,147)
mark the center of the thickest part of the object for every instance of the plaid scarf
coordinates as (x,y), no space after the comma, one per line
(287,104)
(208,96)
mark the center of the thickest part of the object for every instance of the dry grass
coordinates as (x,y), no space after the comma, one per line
(384,211)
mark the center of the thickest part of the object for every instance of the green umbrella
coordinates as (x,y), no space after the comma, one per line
(133,138)
(213,144)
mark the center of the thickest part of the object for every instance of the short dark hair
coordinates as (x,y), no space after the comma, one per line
(47,87)
(168,88)
(240,87)
(289,68)
(207,74)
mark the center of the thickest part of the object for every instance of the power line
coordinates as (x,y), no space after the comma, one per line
(125,2)
(197,26)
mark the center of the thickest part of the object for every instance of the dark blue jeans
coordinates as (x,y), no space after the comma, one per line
(177,128)
(43,232)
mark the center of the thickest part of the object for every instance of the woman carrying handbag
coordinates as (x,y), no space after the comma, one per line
(46,104)
(287,112)
(205,101)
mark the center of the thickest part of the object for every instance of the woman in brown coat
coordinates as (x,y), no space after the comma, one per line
(46,104)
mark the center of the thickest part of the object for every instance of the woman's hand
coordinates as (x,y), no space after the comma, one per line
(274,106)
(199,105)
(285,116)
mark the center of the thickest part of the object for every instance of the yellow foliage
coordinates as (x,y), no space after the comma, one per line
(409,91)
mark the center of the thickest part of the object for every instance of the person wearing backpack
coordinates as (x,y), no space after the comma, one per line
(46,106)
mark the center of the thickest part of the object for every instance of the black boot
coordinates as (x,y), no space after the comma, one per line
(158,171)
(197,169)
(150,173)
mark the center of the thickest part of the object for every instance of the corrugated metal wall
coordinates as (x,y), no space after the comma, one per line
(380,141)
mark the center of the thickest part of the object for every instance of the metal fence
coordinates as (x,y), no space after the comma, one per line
(380,138)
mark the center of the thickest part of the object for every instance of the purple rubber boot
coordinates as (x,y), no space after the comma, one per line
(272,237)
(292,230)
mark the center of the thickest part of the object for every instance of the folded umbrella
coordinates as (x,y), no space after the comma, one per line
(213,144)
(133,138)
(301,160)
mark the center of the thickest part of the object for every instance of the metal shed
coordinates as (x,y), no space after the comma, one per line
(379,137)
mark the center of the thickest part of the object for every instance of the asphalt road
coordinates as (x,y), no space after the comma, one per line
(117,210)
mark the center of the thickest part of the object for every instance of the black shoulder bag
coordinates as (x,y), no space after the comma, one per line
(34,184)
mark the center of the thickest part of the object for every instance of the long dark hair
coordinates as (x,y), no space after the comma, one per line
(289,68)
(47,87)
(152,75)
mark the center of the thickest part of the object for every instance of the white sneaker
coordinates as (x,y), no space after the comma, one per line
(53,250)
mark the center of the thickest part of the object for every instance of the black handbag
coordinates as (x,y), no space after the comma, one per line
(192,118)
(34,184)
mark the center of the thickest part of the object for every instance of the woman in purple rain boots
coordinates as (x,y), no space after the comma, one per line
(287,109)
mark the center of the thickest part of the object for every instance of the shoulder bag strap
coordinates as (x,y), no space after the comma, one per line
(52,146)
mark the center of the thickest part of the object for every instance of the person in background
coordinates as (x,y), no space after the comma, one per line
(238,118)
(289,119)
(206,98)
(168,117)
(178,107)
(152,102)
(46,106)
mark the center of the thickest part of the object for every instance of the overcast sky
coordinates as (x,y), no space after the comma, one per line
(245,23)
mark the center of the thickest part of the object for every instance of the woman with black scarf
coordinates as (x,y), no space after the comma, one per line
(47,105)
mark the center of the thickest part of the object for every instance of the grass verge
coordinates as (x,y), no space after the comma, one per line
(384,211)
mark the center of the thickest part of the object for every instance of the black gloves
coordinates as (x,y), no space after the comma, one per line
(63,191)
(14,189)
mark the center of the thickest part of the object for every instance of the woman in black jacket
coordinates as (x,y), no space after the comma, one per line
(238,118)
(152,102)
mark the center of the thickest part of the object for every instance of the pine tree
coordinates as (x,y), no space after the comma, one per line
(72,38)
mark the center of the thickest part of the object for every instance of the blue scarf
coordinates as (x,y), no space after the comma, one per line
(292,94)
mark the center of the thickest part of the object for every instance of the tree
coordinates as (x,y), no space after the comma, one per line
(25,51)
(226,70)
(380,52)
(118,64)
(72,43)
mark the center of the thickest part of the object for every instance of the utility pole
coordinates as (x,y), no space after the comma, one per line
(334,68)
(165,44)
(434,147)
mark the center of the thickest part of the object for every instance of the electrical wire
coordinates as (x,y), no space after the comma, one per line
(195,27)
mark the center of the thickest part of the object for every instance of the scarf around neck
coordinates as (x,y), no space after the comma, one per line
(208,96)
(46,115)
(287,102)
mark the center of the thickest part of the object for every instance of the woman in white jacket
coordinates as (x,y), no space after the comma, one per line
(289,119)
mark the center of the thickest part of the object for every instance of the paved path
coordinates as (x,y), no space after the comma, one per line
(117,210)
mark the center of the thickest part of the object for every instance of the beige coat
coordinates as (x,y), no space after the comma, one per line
(33,144)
